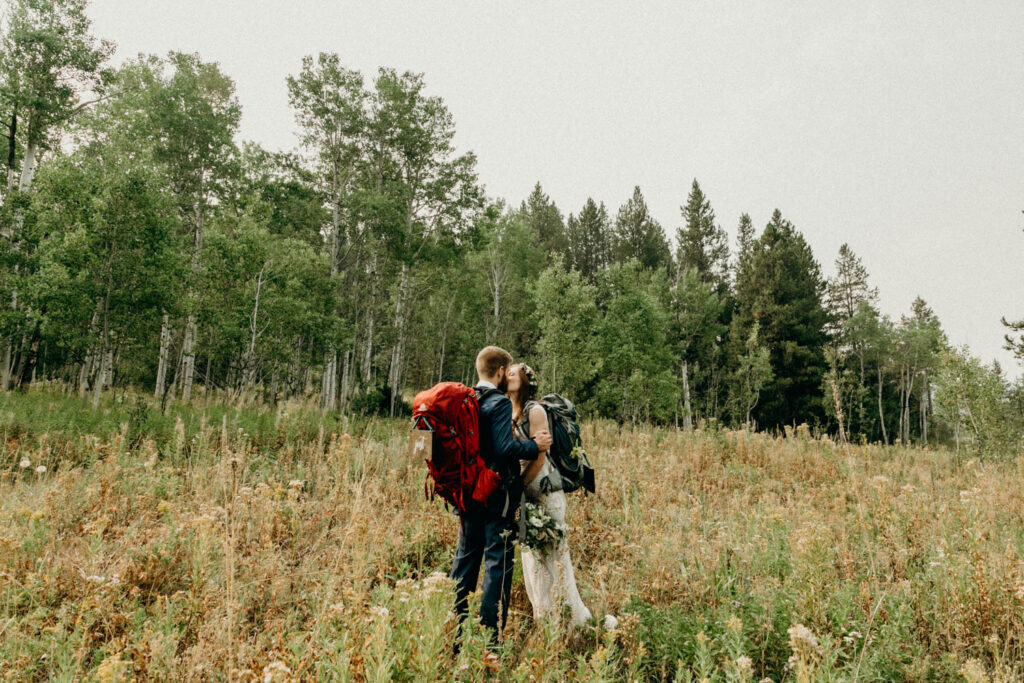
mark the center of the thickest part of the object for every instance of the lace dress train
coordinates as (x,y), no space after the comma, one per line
(549,578)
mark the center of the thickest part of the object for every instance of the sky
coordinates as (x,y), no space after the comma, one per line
(895,127)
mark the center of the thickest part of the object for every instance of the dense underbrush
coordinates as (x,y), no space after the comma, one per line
(275,543)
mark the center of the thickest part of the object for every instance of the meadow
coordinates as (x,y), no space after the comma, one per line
(274,543)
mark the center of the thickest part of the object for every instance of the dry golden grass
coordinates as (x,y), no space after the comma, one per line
(726,555)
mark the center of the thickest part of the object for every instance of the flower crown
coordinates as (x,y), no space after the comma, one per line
(530,375)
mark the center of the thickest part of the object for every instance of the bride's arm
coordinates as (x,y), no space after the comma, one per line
(538,420)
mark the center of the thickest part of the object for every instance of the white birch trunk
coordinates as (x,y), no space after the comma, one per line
(329,386)
(687,409)
(249,373)
(105,359)
(444,339)
(188,358)
(28,166)
(346,380)
(881,412)
(368,342)
(5,366)
(328,389)
(925,406)
(90,357)
(911,376)
(97,385)
(188,347)
(398,353)
(165,350)
(495,281)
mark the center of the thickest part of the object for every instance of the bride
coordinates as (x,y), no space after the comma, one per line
(549,576)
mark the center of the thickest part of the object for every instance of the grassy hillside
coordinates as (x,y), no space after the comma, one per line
(270,544)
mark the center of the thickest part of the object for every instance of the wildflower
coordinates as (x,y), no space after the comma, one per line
(702,638)
(734,624)
(380,611)
(296,484)
(744,663)
(436,578)
(25,463)
(800,635)
(974,671)
(40,469)
(275,671)
(111,669)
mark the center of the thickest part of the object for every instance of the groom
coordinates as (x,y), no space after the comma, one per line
(487,531)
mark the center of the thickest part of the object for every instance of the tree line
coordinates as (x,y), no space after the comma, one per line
(143,244)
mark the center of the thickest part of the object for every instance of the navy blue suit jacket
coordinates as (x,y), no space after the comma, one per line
(498,447)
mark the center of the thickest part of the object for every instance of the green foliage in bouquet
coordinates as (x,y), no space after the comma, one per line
(543,532)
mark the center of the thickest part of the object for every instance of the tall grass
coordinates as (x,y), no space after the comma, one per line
(276,543)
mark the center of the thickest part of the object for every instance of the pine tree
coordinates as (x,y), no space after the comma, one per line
(1016,346)
(745,238)
(782,292)
(845,293)
(541,215)
(702,245)
(847,289)
(590,239)
(638,236)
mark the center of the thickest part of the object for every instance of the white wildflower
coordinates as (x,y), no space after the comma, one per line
(744,663)
(296,483)
(275,671)
(40,469)
(25,463)
(801,635)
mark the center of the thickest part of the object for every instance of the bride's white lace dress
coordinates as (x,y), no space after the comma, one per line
(549,578)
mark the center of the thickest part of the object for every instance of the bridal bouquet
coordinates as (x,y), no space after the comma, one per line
(543,533)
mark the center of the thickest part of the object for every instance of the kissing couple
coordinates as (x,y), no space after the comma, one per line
(514,439)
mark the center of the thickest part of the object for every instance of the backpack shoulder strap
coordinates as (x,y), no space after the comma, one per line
(482,393)
(524,419)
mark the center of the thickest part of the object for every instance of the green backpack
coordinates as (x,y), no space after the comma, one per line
(566,452)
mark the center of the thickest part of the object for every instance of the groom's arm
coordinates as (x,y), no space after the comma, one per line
(506,448)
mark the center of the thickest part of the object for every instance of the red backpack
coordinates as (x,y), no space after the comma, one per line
(450,413)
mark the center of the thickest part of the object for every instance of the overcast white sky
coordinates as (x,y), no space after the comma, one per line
(896,127)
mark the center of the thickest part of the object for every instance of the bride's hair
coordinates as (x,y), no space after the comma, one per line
(527,384)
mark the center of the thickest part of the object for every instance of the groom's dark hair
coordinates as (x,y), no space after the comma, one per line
(491,359)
